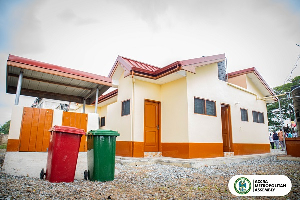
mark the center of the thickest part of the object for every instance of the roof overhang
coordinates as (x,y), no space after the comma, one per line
(49,81)
(154,74)
(258,80)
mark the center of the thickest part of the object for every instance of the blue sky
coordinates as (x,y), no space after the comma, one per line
(89,35)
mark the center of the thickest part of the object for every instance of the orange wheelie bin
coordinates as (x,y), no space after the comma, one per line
(62,154)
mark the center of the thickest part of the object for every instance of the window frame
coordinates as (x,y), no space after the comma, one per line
(123,105)
(258,118)
(241,109)
(101,122)
(205,107)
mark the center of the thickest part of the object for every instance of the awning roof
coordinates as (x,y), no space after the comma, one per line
(49,81)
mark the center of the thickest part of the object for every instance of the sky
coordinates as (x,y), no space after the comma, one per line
(89,35)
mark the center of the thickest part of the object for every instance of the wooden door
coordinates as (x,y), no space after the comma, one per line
(151,126)
(34,134)
(226,128)
(77,120)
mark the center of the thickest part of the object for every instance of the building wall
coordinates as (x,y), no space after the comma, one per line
(183,133)
(142,91)
(204,84)
(174,119)
(114,120)
(239,80)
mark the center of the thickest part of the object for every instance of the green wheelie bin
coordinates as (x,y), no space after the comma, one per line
(101,146)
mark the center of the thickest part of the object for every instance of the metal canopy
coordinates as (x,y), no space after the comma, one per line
(53,82)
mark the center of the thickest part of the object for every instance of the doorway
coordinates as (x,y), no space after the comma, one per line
(226,128)
(151,126)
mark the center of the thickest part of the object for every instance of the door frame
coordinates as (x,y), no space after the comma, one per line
(159,122)
(229,126)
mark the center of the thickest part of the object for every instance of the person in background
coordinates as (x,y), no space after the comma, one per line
(281,135)
(289,135)
(271,140)
(276,140)
(294,133)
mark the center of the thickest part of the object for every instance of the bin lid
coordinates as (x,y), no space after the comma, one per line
(103,132)
(68,129)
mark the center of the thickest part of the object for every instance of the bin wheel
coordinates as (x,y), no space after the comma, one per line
(86,175)
(42,174)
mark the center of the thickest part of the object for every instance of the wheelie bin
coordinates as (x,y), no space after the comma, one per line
(101,145)
(62,154)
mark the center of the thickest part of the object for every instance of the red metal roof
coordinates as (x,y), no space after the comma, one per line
(150,71)
(107,96)
(256,73)
(39,64)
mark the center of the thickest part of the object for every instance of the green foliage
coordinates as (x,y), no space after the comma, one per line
(285,102)
(5,128)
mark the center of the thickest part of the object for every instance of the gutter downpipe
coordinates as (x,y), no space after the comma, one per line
(132,114)
(96,100)
(18,92)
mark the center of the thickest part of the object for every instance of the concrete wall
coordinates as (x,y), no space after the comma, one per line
(114,120)
(204,84)
(174,112)
(16,122)
(208,129)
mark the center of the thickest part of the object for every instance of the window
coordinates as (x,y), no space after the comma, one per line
(258,117)
(261,118)
(102,121)
(244,114)
(199,105)
(125,107)
(204,106)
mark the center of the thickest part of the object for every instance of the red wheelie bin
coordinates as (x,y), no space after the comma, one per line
(62,154)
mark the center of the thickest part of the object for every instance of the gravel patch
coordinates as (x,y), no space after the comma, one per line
(154,181)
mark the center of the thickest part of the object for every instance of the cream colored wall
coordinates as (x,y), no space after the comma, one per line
(57,117)
(174,112)
(16,122)
(204,84)
(114,120)
(252,88)
(247,132)
(208,129)
(142,90)
(239,80)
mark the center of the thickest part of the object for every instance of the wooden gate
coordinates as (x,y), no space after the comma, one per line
(78,120)
(34,134)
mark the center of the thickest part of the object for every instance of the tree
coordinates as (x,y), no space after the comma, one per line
(5,128)
(285,102)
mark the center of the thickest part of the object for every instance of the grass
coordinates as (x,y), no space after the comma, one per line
(3,146)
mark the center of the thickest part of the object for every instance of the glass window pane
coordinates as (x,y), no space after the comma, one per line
(102,121)
(261,118)
(126,107)
(255,116)
(244,115)
(199,106)
(210,108)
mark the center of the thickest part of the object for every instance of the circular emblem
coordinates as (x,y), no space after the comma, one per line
(242,185)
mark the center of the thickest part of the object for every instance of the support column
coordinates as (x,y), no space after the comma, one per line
(18,92)
(96,100)
(83,107)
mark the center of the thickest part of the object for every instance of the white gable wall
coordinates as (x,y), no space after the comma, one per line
(204,84)
(114,120)
(208,129)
